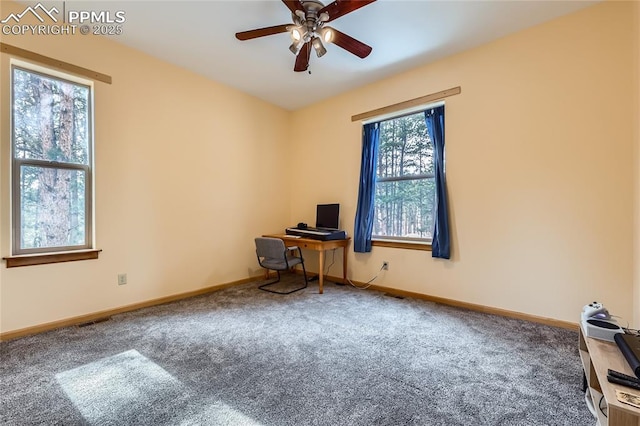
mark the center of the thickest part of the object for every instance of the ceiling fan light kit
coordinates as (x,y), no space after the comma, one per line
(308,30)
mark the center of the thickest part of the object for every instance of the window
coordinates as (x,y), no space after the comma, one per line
(52,159)
(405,190)
(402,194)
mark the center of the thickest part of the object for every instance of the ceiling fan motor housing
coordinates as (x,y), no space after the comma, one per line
(311,21)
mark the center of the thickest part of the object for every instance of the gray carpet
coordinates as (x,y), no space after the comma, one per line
(242,356)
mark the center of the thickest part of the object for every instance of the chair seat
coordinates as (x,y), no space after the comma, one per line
(280,264)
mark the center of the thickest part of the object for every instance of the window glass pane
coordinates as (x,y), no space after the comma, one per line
(405,208)
(53,207)
(405,147)
(50,118)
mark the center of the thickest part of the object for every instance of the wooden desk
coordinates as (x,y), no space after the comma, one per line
(597,356)
(319,246)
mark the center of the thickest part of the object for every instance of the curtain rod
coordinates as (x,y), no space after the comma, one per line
(407,104)
(46,60)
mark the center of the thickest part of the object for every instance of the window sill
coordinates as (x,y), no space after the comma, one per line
(45,258)
(408,245)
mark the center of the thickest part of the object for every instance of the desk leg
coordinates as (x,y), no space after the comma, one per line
(321,270)
(344,265)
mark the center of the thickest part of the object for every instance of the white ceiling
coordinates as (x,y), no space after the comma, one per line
(199,35)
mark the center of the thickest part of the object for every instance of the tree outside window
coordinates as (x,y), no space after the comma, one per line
(52,158)
(405,185)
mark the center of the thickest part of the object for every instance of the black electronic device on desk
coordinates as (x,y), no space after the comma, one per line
(629,345)
(327,222)
(317,233)
(622,379)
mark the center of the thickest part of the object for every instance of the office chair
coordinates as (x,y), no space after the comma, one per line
(273,254)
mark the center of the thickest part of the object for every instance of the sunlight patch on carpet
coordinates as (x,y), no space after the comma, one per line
(120,386)
(220,414)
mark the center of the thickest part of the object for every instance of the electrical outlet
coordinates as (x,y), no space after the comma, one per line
(385,265)
(122,279)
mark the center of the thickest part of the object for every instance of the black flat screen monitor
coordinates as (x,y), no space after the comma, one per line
(328,216)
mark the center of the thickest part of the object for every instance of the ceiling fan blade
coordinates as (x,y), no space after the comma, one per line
(293,5)
(341,7)
(302,60)
(350,44)
(261,32)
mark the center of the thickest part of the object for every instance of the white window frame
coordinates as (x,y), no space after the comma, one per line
(88,169)
(391,116)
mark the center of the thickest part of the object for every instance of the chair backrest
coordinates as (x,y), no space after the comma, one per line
(270,248)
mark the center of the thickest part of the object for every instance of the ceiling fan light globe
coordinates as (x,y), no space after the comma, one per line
(295,48)
(321,51)
(296,34)
(327,35)
(318,47)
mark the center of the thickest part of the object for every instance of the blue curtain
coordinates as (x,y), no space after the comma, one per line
(440,247)
(364,213)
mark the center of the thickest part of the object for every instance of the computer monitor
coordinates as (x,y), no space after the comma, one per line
(328,216)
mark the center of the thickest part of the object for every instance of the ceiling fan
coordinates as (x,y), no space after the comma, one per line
(308,29)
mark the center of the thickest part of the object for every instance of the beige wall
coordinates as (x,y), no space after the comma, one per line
(542,195)
(185,168)
(538,166)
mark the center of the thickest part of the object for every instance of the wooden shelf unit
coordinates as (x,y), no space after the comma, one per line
(597,357)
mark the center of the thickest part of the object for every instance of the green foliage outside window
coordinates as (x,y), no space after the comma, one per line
(51,162)
(405,187)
